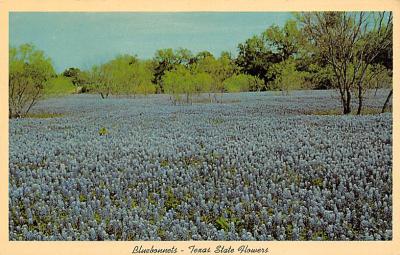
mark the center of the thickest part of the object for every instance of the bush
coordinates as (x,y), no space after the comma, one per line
(177,82)
(103,131)
(243,83)
(288,77)
(59,86)
(29,70)
(320,77)
(123,75)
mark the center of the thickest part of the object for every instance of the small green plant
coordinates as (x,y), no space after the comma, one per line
(161,233)
(171,202)
(222,223)
(151,199)
(289,231)
(97,217)
(82,198)
(103,131)
(164,163)
(303,235)
(318,182)
(320,234)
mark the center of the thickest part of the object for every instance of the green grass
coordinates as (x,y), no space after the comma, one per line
(59,86)
(364,111)
(43,115)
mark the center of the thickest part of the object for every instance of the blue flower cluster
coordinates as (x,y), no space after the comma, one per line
(253,168)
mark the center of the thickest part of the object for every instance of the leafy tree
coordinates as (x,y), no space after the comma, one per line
(78,77)
(58,86)
(255,58)
(167,59)
(288,77)
(29,70)
(184,57)
(141,78)
(242,83)
(219,70)
(179,81)
(203,82)
(164,61)
(286,41)
(203,54)
(350,42)
(124,74)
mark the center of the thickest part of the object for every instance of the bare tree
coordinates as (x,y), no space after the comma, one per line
(349,41)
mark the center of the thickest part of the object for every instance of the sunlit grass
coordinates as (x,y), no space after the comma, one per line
(59,86)
(364,111)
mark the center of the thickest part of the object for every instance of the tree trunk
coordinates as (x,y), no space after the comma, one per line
(346,97)
(348,100)
(387,101)
(360,100)
(359,105)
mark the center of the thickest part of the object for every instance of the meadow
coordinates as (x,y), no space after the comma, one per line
(258,166)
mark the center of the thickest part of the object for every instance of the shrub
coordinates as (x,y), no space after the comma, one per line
(29,70)
(287,76)
(103,131)
(242,83)
(59,85)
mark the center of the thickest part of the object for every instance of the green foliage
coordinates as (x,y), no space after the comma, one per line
(123,75)
(378,76)
(320,76)
(103,131)
(29,70)
(320,235)
(285,41)
(78,78)
(179,81)
(166,60)
(164,163)
(171,201)
(59,86)
(203,82)
(242,83)
(312,52)
(219,69)
(222,223)
(287,76)
(255,58)
(42,115)
(317,182)
(82,198)
(97,217)
(350,43)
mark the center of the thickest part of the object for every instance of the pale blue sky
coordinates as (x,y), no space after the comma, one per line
(83,39)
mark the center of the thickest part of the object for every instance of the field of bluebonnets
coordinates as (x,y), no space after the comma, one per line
(260,166)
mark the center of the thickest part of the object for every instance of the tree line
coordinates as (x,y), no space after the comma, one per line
(347,51)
